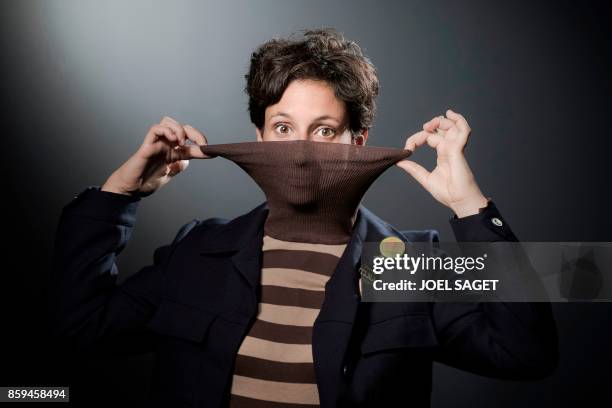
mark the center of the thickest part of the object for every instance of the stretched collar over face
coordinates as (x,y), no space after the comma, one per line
(313,189)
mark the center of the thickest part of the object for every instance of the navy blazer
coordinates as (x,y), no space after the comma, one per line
(195,303)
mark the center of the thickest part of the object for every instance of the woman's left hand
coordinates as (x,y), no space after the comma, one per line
(451,182)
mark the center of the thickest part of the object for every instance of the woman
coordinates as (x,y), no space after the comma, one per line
(264,309)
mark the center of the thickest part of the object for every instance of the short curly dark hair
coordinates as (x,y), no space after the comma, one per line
(319,54)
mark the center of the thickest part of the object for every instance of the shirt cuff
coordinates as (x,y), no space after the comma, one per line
(106,206)
(488,225)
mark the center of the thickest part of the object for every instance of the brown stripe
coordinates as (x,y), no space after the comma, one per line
(278,295)
(237,401)
(311,261)
(274,371)
(281,333)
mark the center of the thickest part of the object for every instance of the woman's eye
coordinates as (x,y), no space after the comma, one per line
(327,132)
(282,128)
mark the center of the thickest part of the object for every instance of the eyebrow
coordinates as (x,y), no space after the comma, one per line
(318,118)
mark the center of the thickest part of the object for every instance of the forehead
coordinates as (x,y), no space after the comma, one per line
(308,99)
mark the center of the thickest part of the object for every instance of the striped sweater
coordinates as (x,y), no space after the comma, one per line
(274,365)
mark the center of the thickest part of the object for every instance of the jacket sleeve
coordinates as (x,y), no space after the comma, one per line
(87,311)
(508,340)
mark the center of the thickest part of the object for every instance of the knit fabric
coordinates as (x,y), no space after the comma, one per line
(313,191)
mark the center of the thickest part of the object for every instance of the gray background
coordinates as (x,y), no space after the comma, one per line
(83,81)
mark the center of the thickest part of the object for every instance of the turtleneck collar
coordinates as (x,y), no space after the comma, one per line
(313,189)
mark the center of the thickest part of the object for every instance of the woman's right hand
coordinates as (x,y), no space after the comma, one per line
(165,152)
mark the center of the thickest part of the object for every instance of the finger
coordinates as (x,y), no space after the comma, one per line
(186,153)
(195,135)
(199,138)
(434,139)
(416,140)
(422,137)
(417,171)
(167,119)
(444,123)
(176,127)
(432,123)
(159,131)
(460,121)
(195,152)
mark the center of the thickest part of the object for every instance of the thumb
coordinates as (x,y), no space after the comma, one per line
(417,171)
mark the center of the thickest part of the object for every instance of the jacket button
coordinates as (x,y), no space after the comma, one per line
(345,370)
(496,221)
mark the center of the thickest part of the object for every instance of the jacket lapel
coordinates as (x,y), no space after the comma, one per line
(242,236)
(334,325)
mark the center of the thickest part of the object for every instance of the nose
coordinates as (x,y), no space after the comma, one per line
(302,136)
